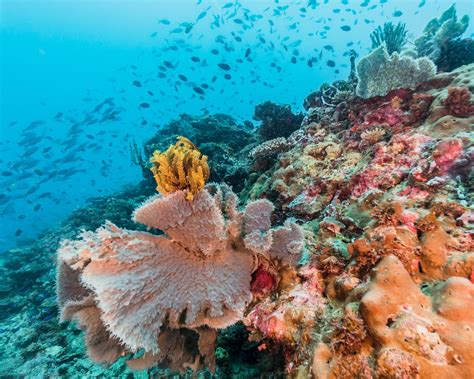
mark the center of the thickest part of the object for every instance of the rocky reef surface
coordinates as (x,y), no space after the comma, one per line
(382,188)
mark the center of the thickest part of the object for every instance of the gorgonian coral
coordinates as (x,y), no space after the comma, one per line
(165,294)
(439,32)
(181,167)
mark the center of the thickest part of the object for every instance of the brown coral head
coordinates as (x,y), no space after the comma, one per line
(181,167)
(458,103)
(349,333)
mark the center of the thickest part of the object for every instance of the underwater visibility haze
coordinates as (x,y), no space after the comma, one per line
(237,189)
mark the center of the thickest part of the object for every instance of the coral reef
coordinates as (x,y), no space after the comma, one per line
(332,95)
(277,120)
(439,32)
(379,72)
(384,193)
(351,255)
(393,36)
(181,167)
(132,290)
(218,136)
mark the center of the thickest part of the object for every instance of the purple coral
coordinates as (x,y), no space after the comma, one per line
(195,278)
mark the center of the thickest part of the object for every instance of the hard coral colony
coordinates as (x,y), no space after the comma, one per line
(374,280)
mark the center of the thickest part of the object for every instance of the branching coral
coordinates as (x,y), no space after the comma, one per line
(160,293)
(394,37)
(379,72)
(181,167)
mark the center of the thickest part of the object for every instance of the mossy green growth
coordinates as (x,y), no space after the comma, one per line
(222,356)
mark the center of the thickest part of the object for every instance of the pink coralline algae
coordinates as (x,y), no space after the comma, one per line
(391,163)
(290,318)
(398,109)
(263,283)
(446,152)
(132,290)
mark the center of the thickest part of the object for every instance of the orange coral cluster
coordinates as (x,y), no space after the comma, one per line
(181,167)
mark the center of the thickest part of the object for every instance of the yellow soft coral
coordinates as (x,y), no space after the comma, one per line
(181,167)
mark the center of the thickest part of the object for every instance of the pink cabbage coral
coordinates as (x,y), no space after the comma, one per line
(157,292)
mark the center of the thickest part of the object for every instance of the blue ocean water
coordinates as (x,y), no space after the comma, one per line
(81,80)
